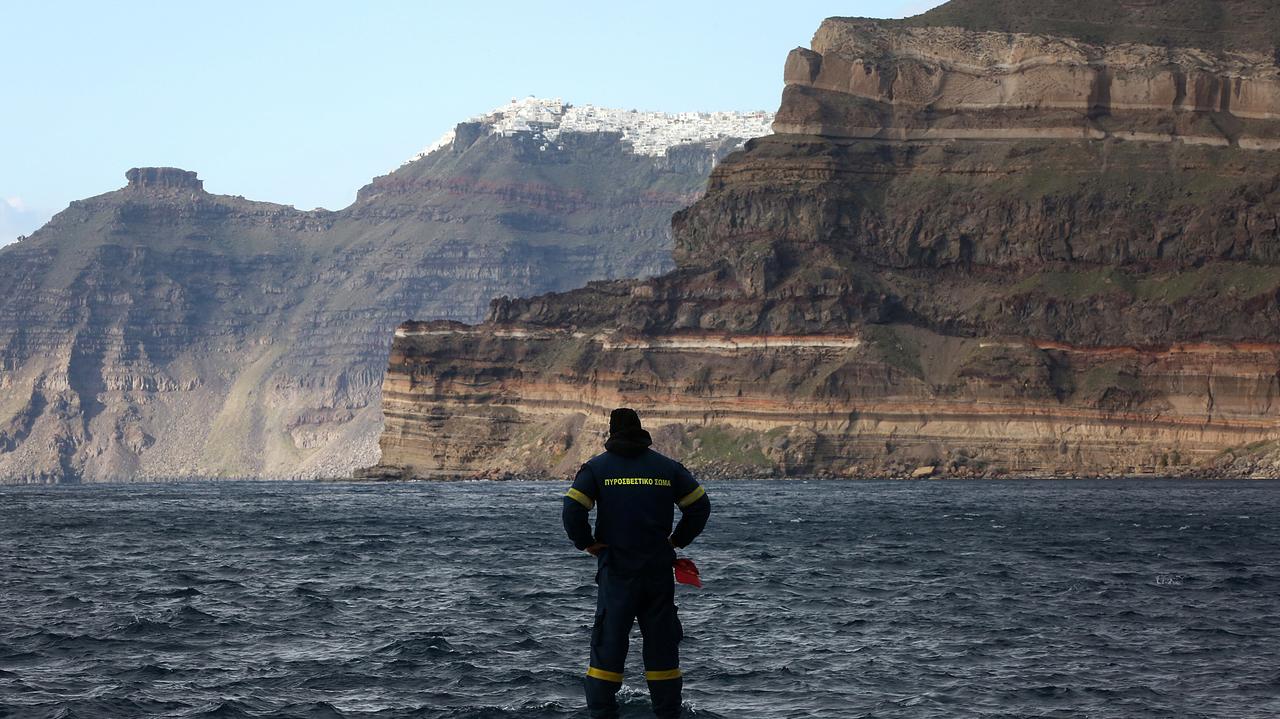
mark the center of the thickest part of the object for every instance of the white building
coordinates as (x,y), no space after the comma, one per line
(650,133)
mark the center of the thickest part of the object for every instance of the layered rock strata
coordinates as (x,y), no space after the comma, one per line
(867,80)
(162,331)
(968,249)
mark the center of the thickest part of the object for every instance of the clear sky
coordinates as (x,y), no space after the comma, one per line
(303,102)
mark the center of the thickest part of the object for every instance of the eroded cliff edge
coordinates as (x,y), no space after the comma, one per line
(1042,249)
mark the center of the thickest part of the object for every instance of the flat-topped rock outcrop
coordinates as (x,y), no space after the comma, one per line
(168,178)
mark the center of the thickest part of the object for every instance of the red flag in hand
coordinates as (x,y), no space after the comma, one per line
(687,572)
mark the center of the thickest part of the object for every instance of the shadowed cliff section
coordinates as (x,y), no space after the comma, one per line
(964,252)
(162,331)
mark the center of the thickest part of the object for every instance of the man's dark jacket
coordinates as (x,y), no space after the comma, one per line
(635,491)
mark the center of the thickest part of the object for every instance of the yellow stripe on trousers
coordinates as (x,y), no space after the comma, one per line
(661,675)
(601,674)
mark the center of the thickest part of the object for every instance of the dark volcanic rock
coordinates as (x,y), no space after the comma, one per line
(168,178)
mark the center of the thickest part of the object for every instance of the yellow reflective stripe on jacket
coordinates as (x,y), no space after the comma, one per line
(601,674)
(664,674)
(580,498)
(691,497)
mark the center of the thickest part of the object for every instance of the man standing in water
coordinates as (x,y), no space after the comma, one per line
(634,490)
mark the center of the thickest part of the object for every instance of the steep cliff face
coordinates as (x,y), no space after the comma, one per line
(121,319)
(865,79)
(161,331)
(996,238)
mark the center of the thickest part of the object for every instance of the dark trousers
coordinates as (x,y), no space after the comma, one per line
(620,602)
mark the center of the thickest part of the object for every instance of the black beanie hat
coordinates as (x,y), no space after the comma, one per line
(623,420)
(626,436)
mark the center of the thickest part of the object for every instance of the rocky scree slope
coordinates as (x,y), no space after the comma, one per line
(1000,238)
(161,331)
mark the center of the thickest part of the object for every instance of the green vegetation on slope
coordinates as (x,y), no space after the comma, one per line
(720,445)
(1240,279)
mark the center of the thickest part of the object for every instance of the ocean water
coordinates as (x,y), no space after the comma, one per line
(821,599)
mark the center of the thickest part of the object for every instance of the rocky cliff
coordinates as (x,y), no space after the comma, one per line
(1002,237)
(162,331)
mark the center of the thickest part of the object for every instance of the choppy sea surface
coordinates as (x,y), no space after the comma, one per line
(821,599)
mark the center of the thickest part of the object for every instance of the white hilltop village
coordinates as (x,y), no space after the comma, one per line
(650,133)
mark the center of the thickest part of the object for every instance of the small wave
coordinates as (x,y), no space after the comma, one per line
(39,711)
(335,681)
(186,577)
(145,672)
(357,591)
(44,644)
(431,645)
(224,710)
(527,710)
(315,600)
(171,623)
(526,643)
(314,710)
(189,613)
(1046,691)
(141,627)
